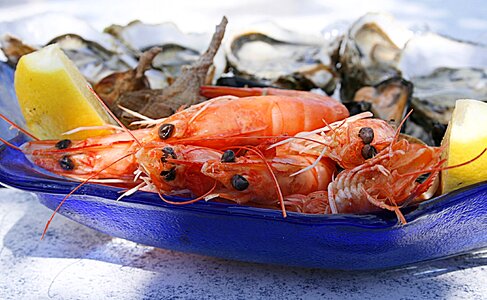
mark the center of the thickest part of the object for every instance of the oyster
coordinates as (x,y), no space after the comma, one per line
(94,61)
(370,52)
(273,56)
(388,99)
(178,49)
(116,84)
(435,94)
(95,54)
(449,70)
(427,52)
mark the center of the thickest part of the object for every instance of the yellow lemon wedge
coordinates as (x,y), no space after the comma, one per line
(54,96)
(465,138)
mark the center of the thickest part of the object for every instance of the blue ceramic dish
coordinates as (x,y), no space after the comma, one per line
(448,225)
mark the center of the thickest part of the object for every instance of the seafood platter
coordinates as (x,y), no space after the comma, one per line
(348,150)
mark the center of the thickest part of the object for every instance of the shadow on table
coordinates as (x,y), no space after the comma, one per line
(200,274)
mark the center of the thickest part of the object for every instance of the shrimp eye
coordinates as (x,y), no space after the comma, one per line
(66,163)
(368,151)
(366,134)
(239,182)
(423,177)
(63,144)
(170,174)
(228,156)
(166,152)
(165,131)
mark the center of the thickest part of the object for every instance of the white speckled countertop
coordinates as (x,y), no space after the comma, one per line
(75,262)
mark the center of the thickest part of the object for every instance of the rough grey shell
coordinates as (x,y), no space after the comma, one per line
(273,56)
(95,54)
(449,70)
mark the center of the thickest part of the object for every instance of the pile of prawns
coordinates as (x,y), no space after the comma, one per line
(293,150)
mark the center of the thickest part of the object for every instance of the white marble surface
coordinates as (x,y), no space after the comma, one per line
(75,262)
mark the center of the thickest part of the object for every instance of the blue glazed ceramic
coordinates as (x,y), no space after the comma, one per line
(448,225)
(445,226)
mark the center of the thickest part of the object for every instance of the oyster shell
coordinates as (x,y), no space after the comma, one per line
(370,52)
(427,52)
(95,54)
(39,29)
(93,60)
(435,94)
(274,56)
(178,49)
(389,99)
(449,70)
(13,49)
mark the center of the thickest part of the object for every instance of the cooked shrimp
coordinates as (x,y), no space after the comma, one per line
(228,120)
(384,181)
(242,179)
(81,159)
(349,142)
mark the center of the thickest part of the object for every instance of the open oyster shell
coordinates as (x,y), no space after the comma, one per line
(271,55)
(449,69)
(94,53)
(370,52)
(435,96)
(388,99)
(424,53)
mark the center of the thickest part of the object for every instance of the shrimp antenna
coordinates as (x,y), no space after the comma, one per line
(438,169)
(431,177)
(18,127)
(274,178)
(189,201)
(77,188)
(10,144)
(113,116)
(398,130)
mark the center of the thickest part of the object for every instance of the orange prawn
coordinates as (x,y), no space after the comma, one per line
(217,123)
(80,159)
(383,181)
(397,176)
(227,120)
(349,142)
(243,179)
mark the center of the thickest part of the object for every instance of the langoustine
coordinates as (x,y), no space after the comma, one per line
(349,142)
(390,180)
(228,120)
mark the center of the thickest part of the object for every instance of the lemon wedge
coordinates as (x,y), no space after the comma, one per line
(54,96)
(465,138)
